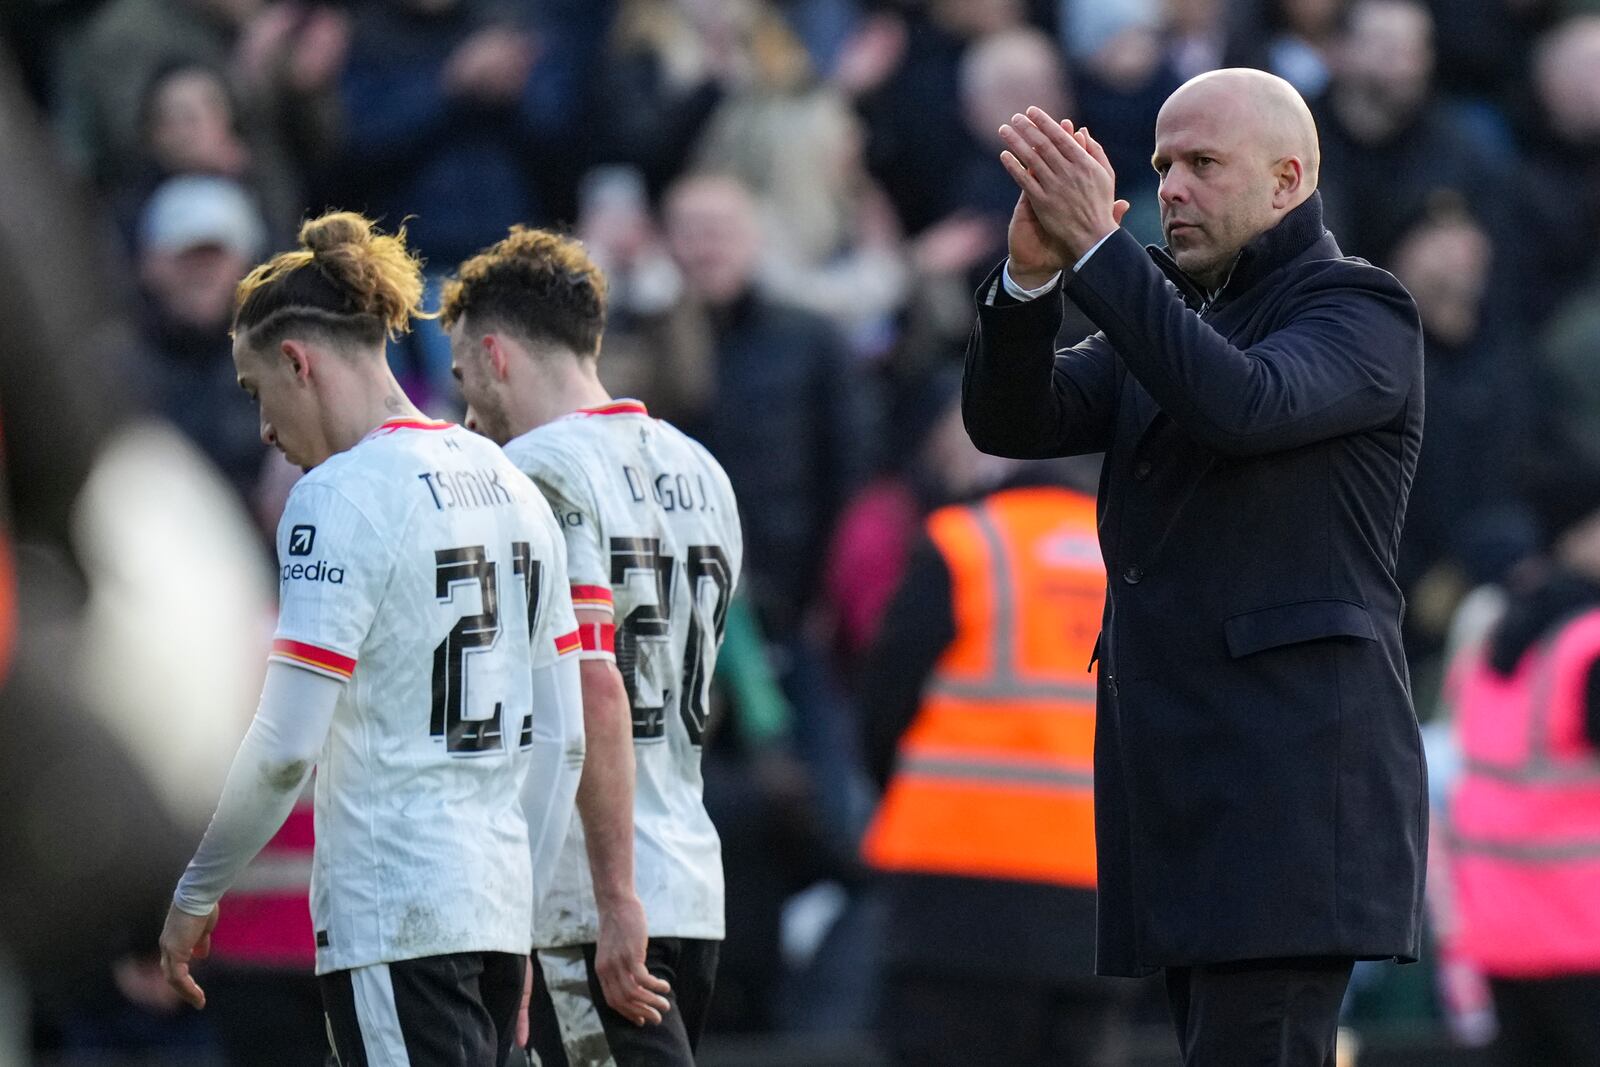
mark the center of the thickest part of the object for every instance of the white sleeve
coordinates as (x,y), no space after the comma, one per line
(576,512)
(333,568)
(556,764)
(555,633)
(1017,292)
(270,769)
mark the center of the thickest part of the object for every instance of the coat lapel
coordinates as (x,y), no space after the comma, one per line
(1293,236)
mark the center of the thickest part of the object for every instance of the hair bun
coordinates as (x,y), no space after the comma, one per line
(322,235)
(375,271)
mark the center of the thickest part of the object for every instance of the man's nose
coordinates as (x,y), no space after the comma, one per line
(1172,189)
(471,421)
(268,436)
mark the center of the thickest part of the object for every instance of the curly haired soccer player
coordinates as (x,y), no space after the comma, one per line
(653,553)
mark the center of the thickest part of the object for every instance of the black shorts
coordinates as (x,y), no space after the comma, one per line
(458,1010)
(571,1025)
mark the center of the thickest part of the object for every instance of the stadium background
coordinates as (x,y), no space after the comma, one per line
(805,190)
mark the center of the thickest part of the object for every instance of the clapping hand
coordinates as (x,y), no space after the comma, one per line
(1068,200)
(492,65)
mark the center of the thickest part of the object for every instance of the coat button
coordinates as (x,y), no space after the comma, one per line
(1133,575)
(1141,470)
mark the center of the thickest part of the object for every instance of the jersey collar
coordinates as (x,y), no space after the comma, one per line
(389,426)
(616,407)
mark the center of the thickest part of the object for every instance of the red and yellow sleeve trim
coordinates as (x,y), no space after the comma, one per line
(323,660)
(595,597)
(599,640)
(568,643)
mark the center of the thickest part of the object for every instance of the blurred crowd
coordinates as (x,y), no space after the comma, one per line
(793,201)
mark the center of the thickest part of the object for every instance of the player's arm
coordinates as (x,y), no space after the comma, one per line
(321,626)
(605,804)
(605,794)
(268,773)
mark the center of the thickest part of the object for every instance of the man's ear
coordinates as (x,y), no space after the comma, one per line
(498,357)
(299,357)
(1288,176)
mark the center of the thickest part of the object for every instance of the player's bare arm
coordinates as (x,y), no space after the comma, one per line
(605,803)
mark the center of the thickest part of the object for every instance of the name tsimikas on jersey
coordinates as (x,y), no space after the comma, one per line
(480,488)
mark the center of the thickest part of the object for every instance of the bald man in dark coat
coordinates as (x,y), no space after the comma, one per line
(1259,779)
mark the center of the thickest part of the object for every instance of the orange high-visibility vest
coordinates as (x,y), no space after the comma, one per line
(994,777)
(1525,814)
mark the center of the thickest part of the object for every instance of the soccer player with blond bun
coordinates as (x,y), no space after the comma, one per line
(424,663)
(653,553)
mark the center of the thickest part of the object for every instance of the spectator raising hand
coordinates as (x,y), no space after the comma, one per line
(491,66)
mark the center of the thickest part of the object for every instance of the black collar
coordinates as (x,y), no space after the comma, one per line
(1294,233)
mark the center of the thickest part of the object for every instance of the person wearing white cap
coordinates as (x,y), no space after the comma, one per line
(197,235)
(197,209)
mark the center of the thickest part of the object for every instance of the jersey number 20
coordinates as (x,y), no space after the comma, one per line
(651,624)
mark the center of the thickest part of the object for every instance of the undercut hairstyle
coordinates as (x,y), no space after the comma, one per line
(538,285)
(348,283)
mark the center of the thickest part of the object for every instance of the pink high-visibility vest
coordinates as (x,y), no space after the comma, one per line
(1525,816)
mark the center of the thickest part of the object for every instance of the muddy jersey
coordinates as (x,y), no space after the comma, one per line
(421,568)
(652,534)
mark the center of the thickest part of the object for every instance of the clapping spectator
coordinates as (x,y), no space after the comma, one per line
(657,347)
(281,59)
(190,124)
(445,129)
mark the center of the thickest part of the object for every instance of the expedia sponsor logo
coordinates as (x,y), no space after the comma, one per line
(320,571)
(301,540)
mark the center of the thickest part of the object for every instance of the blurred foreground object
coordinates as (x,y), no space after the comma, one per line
(132,592)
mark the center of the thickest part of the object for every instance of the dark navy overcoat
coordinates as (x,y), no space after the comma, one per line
(1259,779)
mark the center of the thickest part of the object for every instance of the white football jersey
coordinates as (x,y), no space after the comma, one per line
(424,569)
(652,532)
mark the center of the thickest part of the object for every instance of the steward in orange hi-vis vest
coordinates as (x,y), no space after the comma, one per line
(980,712)
(994,778)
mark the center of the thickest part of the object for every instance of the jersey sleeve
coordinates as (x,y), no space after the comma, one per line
(556,625)
(332,567)
(577,514)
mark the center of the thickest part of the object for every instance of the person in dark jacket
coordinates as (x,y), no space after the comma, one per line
(459,115)
(1259,780)
(778,403)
